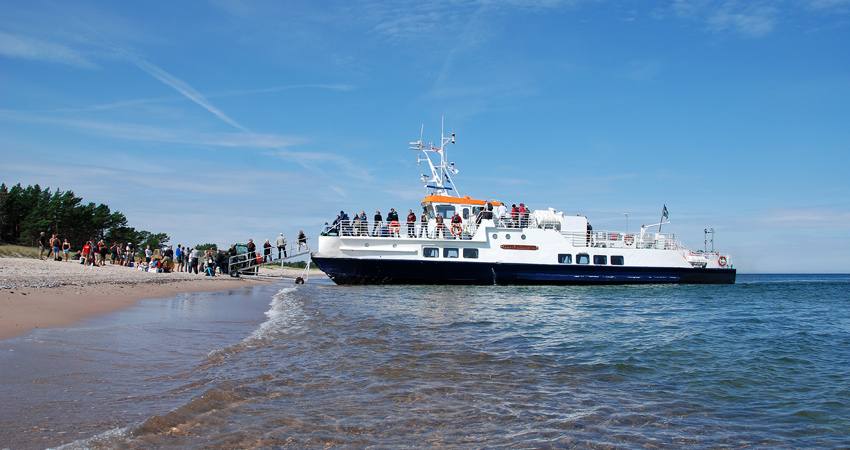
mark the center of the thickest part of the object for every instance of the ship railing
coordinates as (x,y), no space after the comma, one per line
(382,229)
(247,263)
(619,239)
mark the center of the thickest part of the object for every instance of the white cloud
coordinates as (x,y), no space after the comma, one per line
(36,49)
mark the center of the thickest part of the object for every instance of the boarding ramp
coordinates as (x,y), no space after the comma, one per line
(248,264)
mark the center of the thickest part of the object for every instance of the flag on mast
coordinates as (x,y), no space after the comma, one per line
(664,212)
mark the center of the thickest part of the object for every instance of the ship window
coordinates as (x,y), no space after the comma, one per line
(470,253)
(617,260)
(600,259)
(430,252)
(466,213)
(582,258)
(447,211)
(565,259)
(450,253)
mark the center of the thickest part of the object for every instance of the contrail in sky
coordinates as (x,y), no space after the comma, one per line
(181,87)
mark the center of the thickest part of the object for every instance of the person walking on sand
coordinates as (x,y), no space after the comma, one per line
(281,245)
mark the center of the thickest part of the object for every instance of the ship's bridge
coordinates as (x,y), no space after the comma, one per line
(447,206)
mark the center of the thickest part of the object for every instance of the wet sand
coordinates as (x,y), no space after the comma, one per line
(48,294)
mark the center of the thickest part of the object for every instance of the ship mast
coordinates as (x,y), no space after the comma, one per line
(440,182)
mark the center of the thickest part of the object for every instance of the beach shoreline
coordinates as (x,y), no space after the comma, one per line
(49,294)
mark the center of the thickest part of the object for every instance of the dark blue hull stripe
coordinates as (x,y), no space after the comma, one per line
(384,271)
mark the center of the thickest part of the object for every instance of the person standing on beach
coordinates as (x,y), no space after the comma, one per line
(178,255)
(87,253)
(148,254)
(194,266)
(104,250)
(42,244)
(66,249)
(55,244)
(281,245)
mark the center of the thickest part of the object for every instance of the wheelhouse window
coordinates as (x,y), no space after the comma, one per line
(430,252)
(565,259)
(600,259)
(470,253)
(582,258)
(617,260)
(447,211)
(450,253)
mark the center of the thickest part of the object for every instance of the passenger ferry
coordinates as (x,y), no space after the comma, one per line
(492,245)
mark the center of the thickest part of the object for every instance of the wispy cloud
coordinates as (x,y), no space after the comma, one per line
(16,46)
(752,18)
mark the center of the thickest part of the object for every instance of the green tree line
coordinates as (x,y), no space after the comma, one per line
(26,212)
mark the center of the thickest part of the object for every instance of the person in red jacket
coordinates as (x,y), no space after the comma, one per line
(87,253)
(411,224)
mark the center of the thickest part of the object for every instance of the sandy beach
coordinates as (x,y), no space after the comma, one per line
(48,294)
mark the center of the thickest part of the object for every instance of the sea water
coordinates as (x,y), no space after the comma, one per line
(764,363)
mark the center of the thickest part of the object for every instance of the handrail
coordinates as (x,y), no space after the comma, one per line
(242,262)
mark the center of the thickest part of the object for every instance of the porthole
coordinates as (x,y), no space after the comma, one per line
(495,236)
(366,244)
(523,237)
(395,245)
(507,236)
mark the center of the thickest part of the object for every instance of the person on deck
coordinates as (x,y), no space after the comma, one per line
(411,224)
(441,227)
(423,224)
(376,231)
(267,251)
(457,228)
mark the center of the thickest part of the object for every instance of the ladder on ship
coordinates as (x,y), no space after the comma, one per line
(245,264)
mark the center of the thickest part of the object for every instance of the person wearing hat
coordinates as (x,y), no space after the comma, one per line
(281,245)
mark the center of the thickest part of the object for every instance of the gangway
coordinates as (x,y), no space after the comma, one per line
(248,264)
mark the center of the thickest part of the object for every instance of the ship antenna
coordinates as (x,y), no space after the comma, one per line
(440,175)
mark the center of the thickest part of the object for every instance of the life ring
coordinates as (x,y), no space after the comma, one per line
(629,240)
(456,228)
(721,261)
(394,227)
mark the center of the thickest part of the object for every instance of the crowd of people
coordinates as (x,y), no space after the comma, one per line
(344,225)
(209,262)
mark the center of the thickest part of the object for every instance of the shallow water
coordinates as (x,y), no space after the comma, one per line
(762,363)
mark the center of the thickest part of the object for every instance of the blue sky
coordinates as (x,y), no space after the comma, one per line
(218,121)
